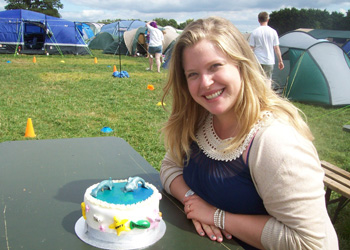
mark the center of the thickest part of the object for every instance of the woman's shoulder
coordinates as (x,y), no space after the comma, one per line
(279,141)
(276,128)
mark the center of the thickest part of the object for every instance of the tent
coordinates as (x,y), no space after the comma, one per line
(336,36)
(315,71)
(133,41)
(112,35)
(346,47)
(101,41)
(118,28)
(31,32)
(117,46)
(85,30)
(95,27)
(339,37)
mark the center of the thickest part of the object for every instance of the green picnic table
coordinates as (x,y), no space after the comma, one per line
(42,183)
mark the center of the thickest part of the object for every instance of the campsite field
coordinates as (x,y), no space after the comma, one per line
(72,96)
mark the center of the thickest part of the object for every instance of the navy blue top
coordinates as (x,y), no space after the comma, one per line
(225,185)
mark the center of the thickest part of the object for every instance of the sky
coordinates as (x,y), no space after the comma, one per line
(242,13)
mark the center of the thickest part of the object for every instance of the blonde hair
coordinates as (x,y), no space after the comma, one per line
(254,96)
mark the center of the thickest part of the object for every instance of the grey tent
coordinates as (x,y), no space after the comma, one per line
(133,41)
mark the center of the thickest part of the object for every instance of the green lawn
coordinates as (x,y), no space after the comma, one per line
(72,96)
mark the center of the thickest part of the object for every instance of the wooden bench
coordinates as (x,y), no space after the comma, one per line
(337,180)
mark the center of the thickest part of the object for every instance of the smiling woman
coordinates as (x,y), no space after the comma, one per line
(239,147)
(213,79)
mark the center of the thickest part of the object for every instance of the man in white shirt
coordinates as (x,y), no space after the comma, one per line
(264,42)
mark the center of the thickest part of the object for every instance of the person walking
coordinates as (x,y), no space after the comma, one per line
(155,46)
(264,42)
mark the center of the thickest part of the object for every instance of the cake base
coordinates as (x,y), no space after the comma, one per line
(127,243)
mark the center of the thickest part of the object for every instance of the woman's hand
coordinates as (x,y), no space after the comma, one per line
(212,232)
(202,215)
(198,209)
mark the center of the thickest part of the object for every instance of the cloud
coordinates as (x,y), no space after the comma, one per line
(189,6)
(243,13)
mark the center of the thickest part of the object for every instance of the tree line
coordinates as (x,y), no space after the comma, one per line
(289,19)
(282,21)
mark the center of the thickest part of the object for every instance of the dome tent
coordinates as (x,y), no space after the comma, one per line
(119,27)
(31,32)
(112,35)
(116,47)
(133,41)
(315,71)
(101,41)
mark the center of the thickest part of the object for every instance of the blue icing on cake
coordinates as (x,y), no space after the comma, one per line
(119,197)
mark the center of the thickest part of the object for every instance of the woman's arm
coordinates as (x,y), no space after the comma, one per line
(173,182)
(179,188)
(287,174)
(169,170)
(247,228)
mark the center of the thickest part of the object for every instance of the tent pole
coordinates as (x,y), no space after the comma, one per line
(120,58)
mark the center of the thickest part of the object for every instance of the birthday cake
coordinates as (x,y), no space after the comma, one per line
(123,213)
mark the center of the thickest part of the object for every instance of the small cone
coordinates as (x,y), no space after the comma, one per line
(150,87)
(95,60)
(29,129)
(34,59)
(114,68)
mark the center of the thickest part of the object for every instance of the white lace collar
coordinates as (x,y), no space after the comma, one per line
(216,148)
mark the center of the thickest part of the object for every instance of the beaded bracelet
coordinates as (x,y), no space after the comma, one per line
(219,219)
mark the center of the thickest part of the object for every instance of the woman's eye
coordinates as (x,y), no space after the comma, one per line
(189,75)
(216,65)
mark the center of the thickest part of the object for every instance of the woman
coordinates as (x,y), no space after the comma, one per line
(239,157)
(155,46)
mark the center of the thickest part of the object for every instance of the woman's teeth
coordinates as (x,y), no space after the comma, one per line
(216,94)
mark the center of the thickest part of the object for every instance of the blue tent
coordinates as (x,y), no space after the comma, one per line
(85,30)
(346,47)
(29,32)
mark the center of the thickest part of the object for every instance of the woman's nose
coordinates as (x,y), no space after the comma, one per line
(207,81)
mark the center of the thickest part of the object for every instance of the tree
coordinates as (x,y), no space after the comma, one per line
(287,19)
(48,7)
(161,22)
(184,24)
(338,21)
(347,20)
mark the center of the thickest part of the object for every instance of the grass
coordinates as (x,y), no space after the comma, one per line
(71,96)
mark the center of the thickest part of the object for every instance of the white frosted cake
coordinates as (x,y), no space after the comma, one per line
(125,212)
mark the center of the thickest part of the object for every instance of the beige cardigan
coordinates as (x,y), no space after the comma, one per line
(288,177)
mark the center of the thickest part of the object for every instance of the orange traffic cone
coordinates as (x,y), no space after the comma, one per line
(95,60)
(114,68)
(29,129)
(34,59)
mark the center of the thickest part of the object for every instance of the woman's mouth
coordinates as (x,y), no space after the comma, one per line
(214,95)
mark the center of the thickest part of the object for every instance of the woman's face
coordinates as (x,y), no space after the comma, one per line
(213,79)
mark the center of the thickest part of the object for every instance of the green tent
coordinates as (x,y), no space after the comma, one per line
(101,41)
(116,47)
(316,71)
